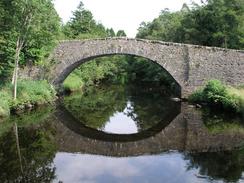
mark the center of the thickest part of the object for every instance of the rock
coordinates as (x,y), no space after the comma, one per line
(198,106)
(29,106)
(20,107)
(176,99)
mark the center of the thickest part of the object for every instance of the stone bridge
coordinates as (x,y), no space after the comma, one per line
(190,65)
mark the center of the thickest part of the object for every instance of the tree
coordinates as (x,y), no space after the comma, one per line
(213,23)
(110,32)
(121,33)
(165,27)
(30,32)
(82,25)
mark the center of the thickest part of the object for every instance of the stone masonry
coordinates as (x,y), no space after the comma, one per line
(190,65)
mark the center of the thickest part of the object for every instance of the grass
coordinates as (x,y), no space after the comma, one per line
(28,92)
(73,83)
(238,94)
(217,94)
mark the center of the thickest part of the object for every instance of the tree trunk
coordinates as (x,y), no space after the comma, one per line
(16,66)
(13,77)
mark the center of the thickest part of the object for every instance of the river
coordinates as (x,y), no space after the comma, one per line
(120,133)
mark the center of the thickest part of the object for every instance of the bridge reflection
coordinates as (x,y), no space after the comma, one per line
(185,132)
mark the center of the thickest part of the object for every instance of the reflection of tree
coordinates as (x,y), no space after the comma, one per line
(218,165)
(37,151)
(96,106)
(150,108)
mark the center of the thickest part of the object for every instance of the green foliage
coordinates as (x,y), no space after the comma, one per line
(216,23)
(93,72)
(83,26)
(141,70)
(121,33)
(34,92)
(5,99)
(119,69)
(217,94)
(30,92)
(165,27)
(35,22)
(73,83)
(110,32)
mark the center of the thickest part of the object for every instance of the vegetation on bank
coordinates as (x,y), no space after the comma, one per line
(30,94)
(216,94)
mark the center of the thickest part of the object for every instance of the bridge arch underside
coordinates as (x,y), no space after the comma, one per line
(70,68)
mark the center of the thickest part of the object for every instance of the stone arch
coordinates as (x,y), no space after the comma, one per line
(71,54)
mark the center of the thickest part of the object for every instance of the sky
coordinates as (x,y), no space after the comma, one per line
(120,14)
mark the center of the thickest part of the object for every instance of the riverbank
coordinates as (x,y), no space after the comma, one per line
(218,95)
(30,95)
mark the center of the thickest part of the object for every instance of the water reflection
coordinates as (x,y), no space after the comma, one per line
(169,167)
(120,109)
(55,146)
(27,158)
(227,166)
(120,122)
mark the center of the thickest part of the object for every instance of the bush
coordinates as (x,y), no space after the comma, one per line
(28,92)
(217,94)
(34,92)
(5,99)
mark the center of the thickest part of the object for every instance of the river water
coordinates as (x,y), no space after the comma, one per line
(121,134)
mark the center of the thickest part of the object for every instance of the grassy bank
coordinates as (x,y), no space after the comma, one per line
(73,83)
(216,94)
(29,94)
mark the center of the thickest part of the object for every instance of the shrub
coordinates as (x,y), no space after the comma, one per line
(5,98)
(217,94)
(33,92)
(28,92)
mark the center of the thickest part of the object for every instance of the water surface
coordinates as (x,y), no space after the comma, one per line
(121,134)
